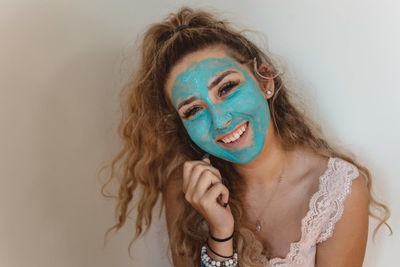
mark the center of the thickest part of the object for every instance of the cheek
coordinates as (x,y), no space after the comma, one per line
(198,129)
(249,100)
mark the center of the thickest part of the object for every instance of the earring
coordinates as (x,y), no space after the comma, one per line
(269,92)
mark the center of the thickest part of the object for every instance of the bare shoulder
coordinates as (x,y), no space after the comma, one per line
(308,166)
(346,247)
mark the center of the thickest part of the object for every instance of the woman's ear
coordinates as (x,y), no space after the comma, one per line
(267,81)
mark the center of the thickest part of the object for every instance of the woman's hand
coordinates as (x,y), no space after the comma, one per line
(204,190)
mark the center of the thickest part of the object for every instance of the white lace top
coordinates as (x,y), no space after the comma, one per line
(325,209)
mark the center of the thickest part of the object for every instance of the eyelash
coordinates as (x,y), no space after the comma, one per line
(229,85)
(190,112)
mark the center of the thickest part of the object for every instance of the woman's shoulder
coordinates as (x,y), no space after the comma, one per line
(337,181)
(343,167)
(334,176)
(330,179)
(341,189)
(340,206)
(307,169)
(319,168)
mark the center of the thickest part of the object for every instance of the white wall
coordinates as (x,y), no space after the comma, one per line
(61,68)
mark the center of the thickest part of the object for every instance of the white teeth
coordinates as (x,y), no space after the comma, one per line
(235,135)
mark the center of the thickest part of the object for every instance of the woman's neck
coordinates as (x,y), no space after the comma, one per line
(260,174)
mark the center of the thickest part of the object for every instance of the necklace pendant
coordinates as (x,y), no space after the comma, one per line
(258,228)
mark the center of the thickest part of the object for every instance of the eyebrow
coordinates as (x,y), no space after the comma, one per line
(220,77)
(187,102)
(212,85)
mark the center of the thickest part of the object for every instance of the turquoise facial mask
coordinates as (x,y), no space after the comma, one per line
(244,102)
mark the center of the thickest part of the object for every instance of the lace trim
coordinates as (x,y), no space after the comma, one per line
(325,209)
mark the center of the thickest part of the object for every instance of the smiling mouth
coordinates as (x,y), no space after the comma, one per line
(235,136)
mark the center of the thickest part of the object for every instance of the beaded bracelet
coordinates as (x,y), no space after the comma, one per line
(208,262)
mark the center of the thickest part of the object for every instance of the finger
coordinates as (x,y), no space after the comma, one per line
(207,160)
(217,189)
(188,169)
(208,166)
(205,181)
(197,170)
(223,195)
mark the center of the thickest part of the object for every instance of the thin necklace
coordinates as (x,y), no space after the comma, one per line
(259,222)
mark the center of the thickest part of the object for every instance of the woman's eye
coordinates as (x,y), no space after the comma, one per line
(191,111)
(226,88)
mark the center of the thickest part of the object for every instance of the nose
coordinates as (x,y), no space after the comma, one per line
(220,119)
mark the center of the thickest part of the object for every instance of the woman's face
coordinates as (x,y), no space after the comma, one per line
(220,103)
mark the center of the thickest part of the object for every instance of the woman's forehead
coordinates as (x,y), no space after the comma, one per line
(190,60)
(202,76)
(202,71)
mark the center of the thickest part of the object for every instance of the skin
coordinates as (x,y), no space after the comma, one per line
(219,109)
(271,157)
(299,168)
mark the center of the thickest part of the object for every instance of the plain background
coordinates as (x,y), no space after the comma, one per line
(62,65)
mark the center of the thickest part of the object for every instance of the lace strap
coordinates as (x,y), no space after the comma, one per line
(335,189)
(325,209)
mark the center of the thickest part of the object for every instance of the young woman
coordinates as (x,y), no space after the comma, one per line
(245,177)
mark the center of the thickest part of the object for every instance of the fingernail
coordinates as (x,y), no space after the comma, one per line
(206,156)
(225,204)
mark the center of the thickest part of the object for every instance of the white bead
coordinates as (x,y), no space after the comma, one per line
(218,263)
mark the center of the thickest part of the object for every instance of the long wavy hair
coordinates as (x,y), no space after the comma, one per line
(156,144)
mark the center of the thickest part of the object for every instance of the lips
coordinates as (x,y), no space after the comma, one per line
(222,136)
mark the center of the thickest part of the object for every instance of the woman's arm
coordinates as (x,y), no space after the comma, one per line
(204,190)
(346,247)
(172,190)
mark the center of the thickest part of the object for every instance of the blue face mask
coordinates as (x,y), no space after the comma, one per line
(244,102)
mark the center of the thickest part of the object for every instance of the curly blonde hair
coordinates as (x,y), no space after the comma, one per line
(153,151)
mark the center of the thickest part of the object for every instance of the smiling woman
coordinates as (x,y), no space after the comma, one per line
(246,179)
(216,114)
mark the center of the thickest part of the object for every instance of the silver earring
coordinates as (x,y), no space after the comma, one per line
(269,92)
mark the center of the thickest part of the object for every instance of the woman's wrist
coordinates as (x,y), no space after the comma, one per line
(221,233)
(221,248)
(218,250)
(221,239)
